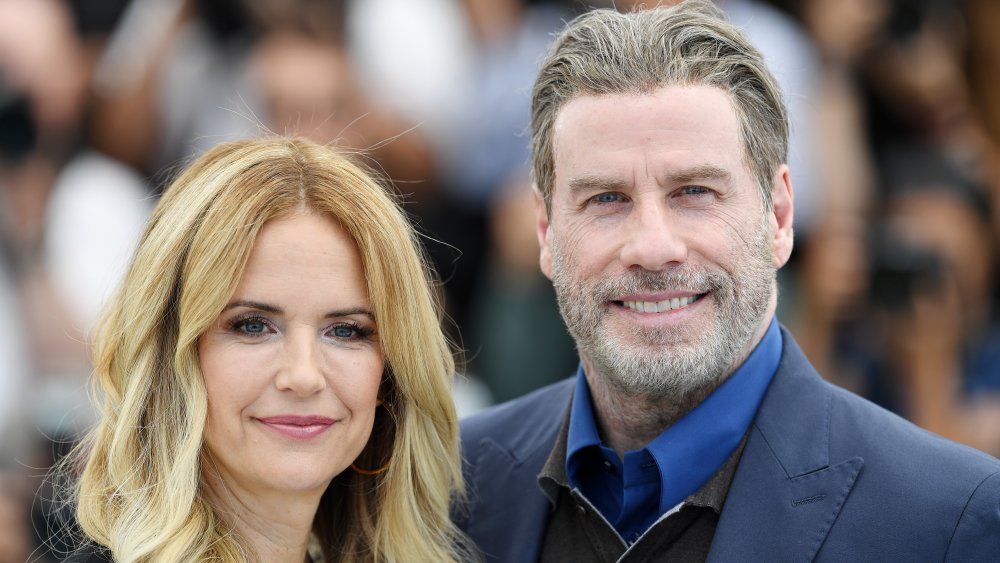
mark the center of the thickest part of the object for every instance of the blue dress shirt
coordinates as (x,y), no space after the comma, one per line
(633,493)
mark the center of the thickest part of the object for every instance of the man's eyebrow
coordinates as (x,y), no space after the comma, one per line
(590,183)
(593,183)
(699,172)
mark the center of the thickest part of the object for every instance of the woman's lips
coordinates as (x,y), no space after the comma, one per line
(298,427)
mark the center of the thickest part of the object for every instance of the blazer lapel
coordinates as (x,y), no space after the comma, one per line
(786,495)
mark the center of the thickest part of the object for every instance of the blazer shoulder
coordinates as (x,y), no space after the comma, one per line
(905,493)
(977,535)
(523,423)
(883,433)
(806,412)
(503,449)
(946,490)
(947,493)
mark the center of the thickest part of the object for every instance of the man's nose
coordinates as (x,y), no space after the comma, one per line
(653,237)
(302,371)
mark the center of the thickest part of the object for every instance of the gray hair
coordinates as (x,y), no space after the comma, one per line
(604,52)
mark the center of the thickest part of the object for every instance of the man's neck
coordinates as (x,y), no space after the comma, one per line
(629,421)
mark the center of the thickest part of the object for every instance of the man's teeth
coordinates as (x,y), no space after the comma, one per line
(660,306)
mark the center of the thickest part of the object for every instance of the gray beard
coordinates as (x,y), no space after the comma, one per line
(662,363)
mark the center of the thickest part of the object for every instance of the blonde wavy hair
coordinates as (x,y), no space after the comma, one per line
(141,491)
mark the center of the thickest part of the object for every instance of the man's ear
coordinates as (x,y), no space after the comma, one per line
(784,211)
(542,229)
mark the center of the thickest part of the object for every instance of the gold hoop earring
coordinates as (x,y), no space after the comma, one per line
(378,471)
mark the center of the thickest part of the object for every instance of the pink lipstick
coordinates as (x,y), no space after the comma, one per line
(297,427)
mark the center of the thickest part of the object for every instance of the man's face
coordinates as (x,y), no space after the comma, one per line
(658,242)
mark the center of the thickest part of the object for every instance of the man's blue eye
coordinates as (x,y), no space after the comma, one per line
(608,197)
(695,190)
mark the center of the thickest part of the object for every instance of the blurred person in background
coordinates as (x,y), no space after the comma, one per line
(15,370)
(261,396)
(68,219)
(894,72)
(70,215)
(514,332)
(308,87)
(43,76)
(16,136)
(936,345)
(463,70)
(173,81)
(897,85)
(826,293)
(981,19)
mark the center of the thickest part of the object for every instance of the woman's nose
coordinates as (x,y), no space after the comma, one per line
(302,369)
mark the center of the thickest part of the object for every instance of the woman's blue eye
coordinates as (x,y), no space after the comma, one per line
(344,331)
(350,331)
(251,326)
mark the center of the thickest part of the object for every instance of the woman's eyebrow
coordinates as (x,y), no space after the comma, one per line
(268,308)
(249,304)
(349,312)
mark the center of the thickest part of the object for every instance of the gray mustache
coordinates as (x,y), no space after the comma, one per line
(642,281)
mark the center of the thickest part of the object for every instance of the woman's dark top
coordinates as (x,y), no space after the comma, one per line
(91,554)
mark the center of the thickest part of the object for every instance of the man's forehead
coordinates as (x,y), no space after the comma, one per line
(693,131)
(662,97)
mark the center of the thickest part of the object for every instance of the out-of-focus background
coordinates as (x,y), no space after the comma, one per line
(892,285)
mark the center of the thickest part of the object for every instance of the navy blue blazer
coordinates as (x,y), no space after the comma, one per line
(825,476)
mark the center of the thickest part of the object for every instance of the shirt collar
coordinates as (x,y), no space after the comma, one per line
(690,451)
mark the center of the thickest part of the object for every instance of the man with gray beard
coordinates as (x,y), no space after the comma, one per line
(695,429)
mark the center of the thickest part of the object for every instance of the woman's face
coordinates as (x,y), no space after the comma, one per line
(293,364)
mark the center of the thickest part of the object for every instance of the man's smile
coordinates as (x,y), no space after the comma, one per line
(660,306)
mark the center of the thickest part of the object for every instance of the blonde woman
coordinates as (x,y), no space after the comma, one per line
(273,379)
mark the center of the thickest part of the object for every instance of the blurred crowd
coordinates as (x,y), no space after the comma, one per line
(895,163)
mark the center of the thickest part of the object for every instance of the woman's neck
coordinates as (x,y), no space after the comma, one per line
(275,524)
